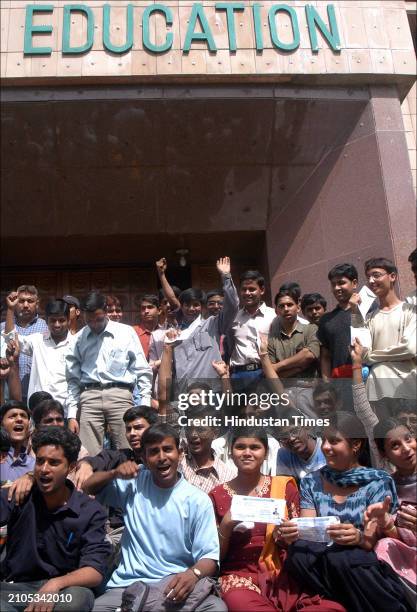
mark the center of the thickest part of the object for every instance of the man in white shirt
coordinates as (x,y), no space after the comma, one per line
(104,366)
(254,318)
(48,349)
(392,353)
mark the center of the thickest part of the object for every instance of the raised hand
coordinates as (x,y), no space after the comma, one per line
(12,352)
(161,265)
(223,265)
(379,512)
(355,300)
(356,352)
(11,300)
(222,369)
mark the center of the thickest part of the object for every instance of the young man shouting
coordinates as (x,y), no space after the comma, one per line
(56,547)
(170,524)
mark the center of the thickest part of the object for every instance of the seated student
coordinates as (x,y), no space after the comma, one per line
(349,570)
(15,418)
(294,350)
(252,574)
(398,532)
(179,539)
(47,413)
(313,307)
(137,420)
(221,445)
(56,545)
(300,452)
(199,463)
(404,413)
(392,326)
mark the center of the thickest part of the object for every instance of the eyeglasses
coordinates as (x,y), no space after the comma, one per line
(376,275)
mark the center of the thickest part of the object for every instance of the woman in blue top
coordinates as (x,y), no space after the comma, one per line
(348,570)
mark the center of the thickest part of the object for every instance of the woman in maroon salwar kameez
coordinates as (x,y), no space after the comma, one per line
(251,575)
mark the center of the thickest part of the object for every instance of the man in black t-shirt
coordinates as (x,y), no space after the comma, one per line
(334,326)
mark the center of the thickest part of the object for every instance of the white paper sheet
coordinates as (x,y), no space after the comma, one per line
(257,509)
(314,529)
(367,299)
(363,334)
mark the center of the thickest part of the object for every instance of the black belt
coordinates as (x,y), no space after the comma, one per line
(248,367)
(102,386)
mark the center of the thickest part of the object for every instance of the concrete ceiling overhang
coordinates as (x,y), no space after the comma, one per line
(91,172)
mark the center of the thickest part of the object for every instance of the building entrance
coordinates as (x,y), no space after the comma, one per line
(105,180)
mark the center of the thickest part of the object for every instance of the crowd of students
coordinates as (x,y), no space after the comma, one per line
(123,447)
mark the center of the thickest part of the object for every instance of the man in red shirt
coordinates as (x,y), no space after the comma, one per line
(149,311)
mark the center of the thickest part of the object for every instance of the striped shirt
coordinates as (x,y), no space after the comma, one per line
(38,325)
(206,478)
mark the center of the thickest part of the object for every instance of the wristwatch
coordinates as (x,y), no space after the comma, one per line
(196,572)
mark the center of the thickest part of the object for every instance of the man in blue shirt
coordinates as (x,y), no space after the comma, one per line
(56,547)
(170,527)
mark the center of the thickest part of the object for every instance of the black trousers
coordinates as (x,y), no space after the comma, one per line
(350,575)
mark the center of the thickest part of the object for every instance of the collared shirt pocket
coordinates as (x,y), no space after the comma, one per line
(117,362)
(202,341)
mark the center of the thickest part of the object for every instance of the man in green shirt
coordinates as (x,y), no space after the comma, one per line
(294,350)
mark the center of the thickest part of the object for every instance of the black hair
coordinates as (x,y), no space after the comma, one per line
(141,412)
(151,298)
(45,407)
(175,289)
(345,269)
(381,262)
(38,397)
(93,301)
(326,387)
(309,299)
(27,289)
(405,407)
(412,258)
(113,300)
(351,428)
(381,430)
(192,295)
(253,275)
(214,292)
(5,442)
(293,287)
(195,384)
(157,432)
(250,432)
(290,292)
(57,436)
(12,405)
(57,308)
